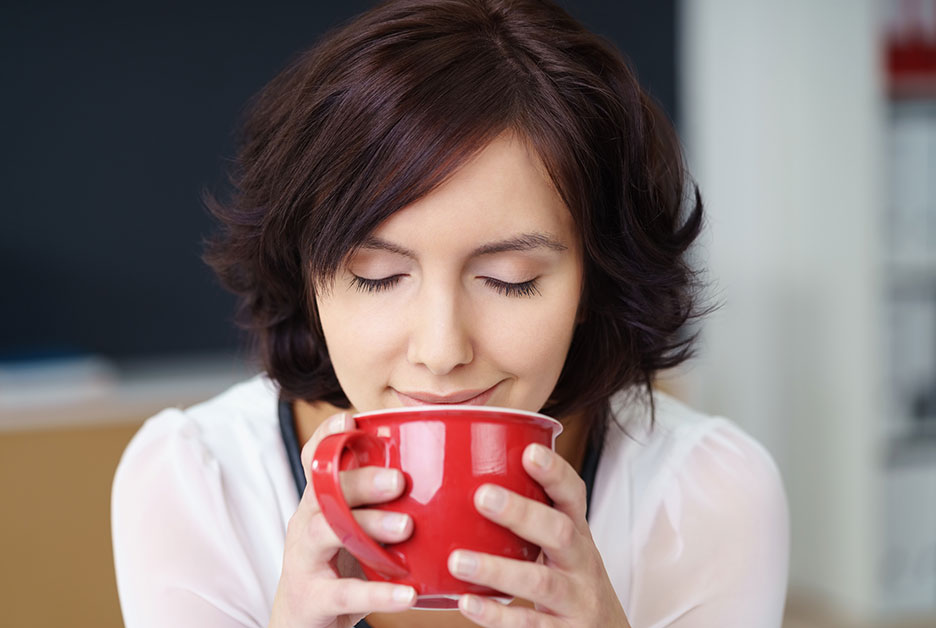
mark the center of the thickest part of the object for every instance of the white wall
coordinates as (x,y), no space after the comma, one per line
(782,115)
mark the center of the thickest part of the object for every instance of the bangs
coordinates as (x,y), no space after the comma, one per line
(407,127)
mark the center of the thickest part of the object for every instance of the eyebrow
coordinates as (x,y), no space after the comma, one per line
(523,242)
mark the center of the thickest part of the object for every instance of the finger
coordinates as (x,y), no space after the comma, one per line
(492,614)
(534,521)
(371,485)
(368,485)
(548,587)
(334,424)
(560,480)
(350,596)
(360,487)
(383,525)
(315,543)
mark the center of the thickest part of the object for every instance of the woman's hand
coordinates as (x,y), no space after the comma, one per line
(570,588)
(322,585)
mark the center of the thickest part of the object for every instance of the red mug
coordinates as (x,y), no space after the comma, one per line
(445,453)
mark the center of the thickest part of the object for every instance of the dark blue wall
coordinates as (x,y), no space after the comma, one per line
(114,118)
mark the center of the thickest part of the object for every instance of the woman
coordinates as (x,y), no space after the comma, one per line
(456,201)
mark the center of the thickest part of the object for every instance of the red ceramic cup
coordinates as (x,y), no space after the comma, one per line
(445,454)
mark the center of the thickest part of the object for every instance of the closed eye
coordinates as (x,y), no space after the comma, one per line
(522,289)
(374,285)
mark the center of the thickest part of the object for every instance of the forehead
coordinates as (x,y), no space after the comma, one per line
(502,191)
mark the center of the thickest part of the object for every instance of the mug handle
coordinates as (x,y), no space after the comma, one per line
(367,450)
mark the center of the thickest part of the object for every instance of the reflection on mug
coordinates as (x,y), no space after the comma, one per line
(488,449)
(422,452)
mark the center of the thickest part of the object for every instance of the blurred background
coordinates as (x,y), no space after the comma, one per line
(810,127)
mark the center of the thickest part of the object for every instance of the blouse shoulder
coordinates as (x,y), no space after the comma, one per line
(713,548)
(175,521)
(166,448)
(198,435)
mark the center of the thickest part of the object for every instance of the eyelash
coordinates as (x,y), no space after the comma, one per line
(523,289)
(374,285)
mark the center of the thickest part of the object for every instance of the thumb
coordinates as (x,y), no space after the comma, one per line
(334,424)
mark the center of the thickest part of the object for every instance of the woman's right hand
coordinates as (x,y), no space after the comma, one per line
(321,584)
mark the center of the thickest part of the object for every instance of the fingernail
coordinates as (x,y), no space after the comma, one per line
(471,604)
(404,594)
(387,480)
(394,522)
(540,456)
(464,563)
(338,423)
(492,498)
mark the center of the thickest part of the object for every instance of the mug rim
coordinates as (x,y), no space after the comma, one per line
(436,407)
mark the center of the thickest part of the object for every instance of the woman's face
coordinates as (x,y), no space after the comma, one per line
(468,295)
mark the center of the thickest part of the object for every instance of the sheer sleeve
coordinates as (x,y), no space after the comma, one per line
(178,556)
(717,553)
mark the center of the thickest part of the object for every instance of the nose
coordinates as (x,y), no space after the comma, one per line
(440,331)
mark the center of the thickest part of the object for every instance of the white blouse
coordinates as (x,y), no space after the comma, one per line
(691,518)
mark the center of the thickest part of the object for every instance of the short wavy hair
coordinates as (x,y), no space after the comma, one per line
(385,107)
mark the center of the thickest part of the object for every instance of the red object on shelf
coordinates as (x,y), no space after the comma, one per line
(912,56)
(911,70)
(911,48)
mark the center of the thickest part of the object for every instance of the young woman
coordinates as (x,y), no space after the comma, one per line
(456,201)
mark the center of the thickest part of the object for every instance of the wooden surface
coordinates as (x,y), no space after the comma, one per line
(55,529)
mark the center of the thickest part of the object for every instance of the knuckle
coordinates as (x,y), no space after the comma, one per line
(565,533)
(305,459)
(308,448)
(299,526)
(579,495)
(581,491)
(340,597)
(308,502)
(292,526)
(325,428)
(320,534)
(517,509)
(305,456)
(532,620)
(545,584)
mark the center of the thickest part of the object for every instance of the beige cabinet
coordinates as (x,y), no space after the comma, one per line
(58,567)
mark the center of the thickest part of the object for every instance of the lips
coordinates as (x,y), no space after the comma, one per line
(462,397)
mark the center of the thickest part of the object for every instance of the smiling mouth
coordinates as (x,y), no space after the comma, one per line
(462,397)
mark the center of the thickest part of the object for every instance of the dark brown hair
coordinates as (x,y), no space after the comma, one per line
(384,108)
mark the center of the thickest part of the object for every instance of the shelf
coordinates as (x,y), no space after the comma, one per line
(914,447)
(918,264)
(912,87)
(95,390)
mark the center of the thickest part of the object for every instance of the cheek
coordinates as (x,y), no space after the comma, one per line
(361,343)
(532,344)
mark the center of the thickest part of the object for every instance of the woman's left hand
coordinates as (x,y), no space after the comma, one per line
(571,587)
